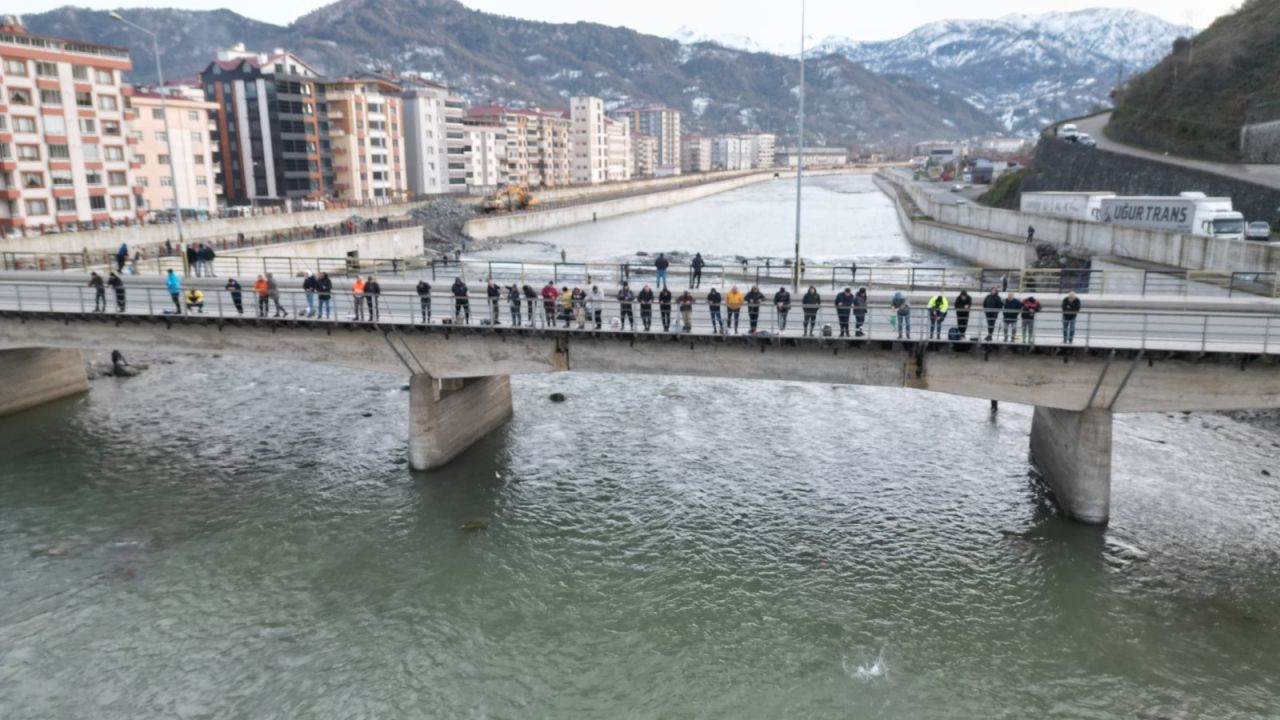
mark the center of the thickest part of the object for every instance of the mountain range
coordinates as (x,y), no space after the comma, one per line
(944,80)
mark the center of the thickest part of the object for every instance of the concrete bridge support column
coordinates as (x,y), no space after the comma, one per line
(1073,452)
(447,415)
(33,376)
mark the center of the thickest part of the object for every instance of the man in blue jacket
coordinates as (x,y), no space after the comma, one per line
(173,284)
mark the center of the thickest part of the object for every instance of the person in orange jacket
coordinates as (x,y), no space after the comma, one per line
(357,292)
(264,304)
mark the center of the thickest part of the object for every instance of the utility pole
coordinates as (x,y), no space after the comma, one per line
(795,267)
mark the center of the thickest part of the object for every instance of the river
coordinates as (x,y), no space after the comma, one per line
(230,537)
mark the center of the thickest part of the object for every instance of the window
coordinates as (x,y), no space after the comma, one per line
(66,205)
(199,159)
(162,159)
(59,152)
(88,126)
(119,202)
(117,178)
(107,102)
(46,69)
(202,180)
(162,136)
(193,115)
(166,181)
(51,97)
(114,152)
(79,72)
(91,152)
(24,124)
(104,77)
(4,122)
(18,96)
(28,152)
(15,67)
(61,177)
(141,182)
(135,135)
(111,127)
(157,113)
(93,177)
(37,207)
(196,138)
(140,159)
(5,153)
(97,202)
(32,180)
(84,99)
(55,125)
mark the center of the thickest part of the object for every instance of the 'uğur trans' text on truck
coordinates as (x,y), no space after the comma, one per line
(1189,213)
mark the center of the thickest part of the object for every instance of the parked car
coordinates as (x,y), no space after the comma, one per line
(1257,231)
(1068,132)
(1086,140)
(957,188)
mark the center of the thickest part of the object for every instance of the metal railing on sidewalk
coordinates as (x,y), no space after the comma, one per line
(1176,331)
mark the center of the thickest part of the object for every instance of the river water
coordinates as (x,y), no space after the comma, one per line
(229,537)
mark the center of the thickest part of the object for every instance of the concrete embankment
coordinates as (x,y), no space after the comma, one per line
(514,224)
(147,235)
(967,231)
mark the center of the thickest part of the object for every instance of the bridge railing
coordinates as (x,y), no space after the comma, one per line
(765,275)
(1253,333)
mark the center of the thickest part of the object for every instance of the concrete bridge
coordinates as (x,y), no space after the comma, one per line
(459,373)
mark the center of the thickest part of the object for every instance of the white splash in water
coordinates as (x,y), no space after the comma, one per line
(867,671)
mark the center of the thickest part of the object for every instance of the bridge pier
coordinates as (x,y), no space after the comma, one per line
(33,376)
(447,415)
(1073,451)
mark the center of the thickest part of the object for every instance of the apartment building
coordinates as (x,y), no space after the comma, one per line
(64,154)
(589,142)
(644,154)
(764,148)
(537,152)
(695,154)
(428,111)
(269,135)
(731,152)
(618,160)
(663,124)
(366,139)
(187,134)
(485,154)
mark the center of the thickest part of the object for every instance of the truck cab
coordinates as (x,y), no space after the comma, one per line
(1225,224)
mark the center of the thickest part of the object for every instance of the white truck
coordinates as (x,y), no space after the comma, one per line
(1189,213)
(1069,205)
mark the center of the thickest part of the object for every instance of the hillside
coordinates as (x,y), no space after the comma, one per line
(492,58)
(1195,100)
(1025,70)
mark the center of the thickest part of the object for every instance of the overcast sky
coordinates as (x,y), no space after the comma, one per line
(773,24)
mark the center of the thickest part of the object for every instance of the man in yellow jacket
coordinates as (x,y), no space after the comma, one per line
(938,307)
(733,305)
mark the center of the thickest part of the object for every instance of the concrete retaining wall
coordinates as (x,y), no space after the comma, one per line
(514,224)
(109,240)
(33,376)
(401,243)
(1090,239)
(980,250)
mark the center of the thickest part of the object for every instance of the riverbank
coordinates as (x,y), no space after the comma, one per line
(509,225)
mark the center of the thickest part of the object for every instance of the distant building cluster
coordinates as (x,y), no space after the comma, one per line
(80,147)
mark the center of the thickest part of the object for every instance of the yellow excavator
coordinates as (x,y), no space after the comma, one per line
(509,198)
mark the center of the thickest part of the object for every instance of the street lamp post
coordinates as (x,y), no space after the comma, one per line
(164,109)
(795,267)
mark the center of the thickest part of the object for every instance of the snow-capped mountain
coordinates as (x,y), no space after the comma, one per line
(686,35)
(1026,70)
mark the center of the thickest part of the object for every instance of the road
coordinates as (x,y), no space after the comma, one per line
(1268,175)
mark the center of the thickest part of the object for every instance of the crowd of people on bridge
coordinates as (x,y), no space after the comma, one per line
(1007,316)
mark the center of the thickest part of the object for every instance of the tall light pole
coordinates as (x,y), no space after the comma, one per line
(164,110)
(795,267)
